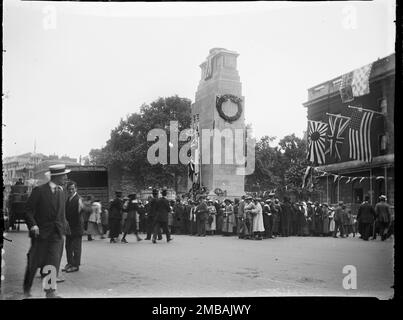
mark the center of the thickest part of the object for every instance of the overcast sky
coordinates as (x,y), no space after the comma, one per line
(72,70)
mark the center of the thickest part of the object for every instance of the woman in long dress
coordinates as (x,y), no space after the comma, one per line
(229,218)
(132,218)
(211,220)
(258,224)
(325,214)
(94,221)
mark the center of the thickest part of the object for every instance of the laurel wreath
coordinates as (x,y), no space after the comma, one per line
(221,99)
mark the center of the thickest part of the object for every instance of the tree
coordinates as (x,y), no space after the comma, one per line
(128,145)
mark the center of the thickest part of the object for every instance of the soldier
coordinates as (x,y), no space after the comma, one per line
(268,219)
(201,217)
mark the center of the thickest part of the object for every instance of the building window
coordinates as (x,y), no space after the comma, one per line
(383,105)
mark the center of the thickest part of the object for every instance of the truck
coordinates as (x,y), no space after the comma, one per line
(91,180)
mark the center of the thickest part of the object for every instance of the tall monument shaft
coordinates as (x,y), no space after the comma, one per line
(219,106)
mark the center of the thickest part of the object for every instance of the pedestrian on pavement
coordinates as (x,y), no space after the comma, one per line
(151,214)
(94,221)
(366,217)
(86,212)
(47,225)
(115,216)
(268,220)
(192,217)
(382,211)
(131,225)
(228,218)
(178,213)
(339,214)
(211,219)
(240,215)
(104,222)
(257,223)
(318,219)
(276,209)
(201,216)
(285,217)
(75,219)
(220,216)
(161,219)
(326,221)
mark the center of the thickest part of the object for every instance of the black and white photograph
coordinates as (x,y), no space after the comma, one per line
(198,149)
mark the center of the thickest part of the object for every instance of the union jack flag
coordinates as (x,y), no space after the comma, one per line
(338,124)
(316,141)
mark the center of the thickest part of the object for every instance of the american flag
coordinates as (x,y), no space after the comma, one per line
(338,124)
(359,135)
(316,141)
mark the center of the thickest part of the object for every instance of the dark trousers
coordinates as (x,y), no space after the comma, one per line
(186,227)
(42,252)
(73,250)
(366,229)
(382,227)
(338,225)
(157,229)
(115,226)
(201,227)
(268,226)
(285,226)
(193,227)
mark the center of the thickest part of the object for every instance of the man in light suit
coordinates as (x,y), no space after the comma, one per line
(47,224)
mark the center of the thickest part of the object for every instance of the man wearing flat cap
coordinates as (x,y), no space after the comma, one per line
(47,224)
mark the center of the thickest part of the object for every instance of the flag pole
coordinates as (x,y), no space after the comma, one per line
(337,115)
(362,109)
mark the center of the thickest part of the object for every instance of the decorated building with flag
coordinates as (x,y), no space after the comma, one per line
(350,134)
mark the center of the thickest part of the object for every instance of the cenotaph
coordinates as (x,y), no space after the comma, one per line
(218,106)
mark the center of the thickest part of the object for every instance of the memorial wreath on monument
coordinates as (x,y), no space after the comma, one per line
(221,99)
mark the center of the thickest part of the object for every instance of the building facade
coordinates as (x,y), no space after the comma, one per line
(351,134)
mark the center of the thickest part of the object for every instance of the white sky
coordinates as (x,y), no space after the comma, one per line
(69,86)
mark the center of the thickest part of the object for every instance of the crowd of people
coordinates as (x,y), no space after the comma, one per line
(58,219)
(248,218)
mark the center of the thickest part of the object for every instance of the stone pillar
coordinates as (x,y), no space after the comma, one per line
(219,76)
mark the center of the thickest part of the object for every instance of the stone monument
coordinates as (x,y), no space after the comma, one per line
(219,107)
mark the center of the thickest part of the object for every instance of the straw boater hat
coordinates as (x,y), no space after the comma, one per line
(57,169)
(382,197)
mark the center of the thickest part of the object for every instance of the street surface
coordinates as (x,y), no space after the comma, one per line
(213,266)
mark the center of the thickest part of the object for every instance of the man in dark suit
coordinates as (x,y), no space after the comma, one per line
(47,224)
(151,213)
(161,218)
(365,217)
(382,211)
(338,220)
(75,219)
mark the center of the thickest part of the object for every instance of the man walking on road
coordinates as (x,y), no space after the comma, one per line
(74,216)
(366,217)
(382,211)
(47,224)
(115,216)
(161,219)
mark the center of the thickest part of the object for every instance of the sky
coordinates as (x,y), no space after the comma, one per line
(72,70)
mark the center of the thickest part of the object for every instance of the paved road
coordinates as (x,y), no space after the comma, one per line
(214,266)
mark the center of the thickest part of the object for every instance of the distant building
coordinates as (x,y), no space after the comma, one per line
(360,160)
(43,167)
